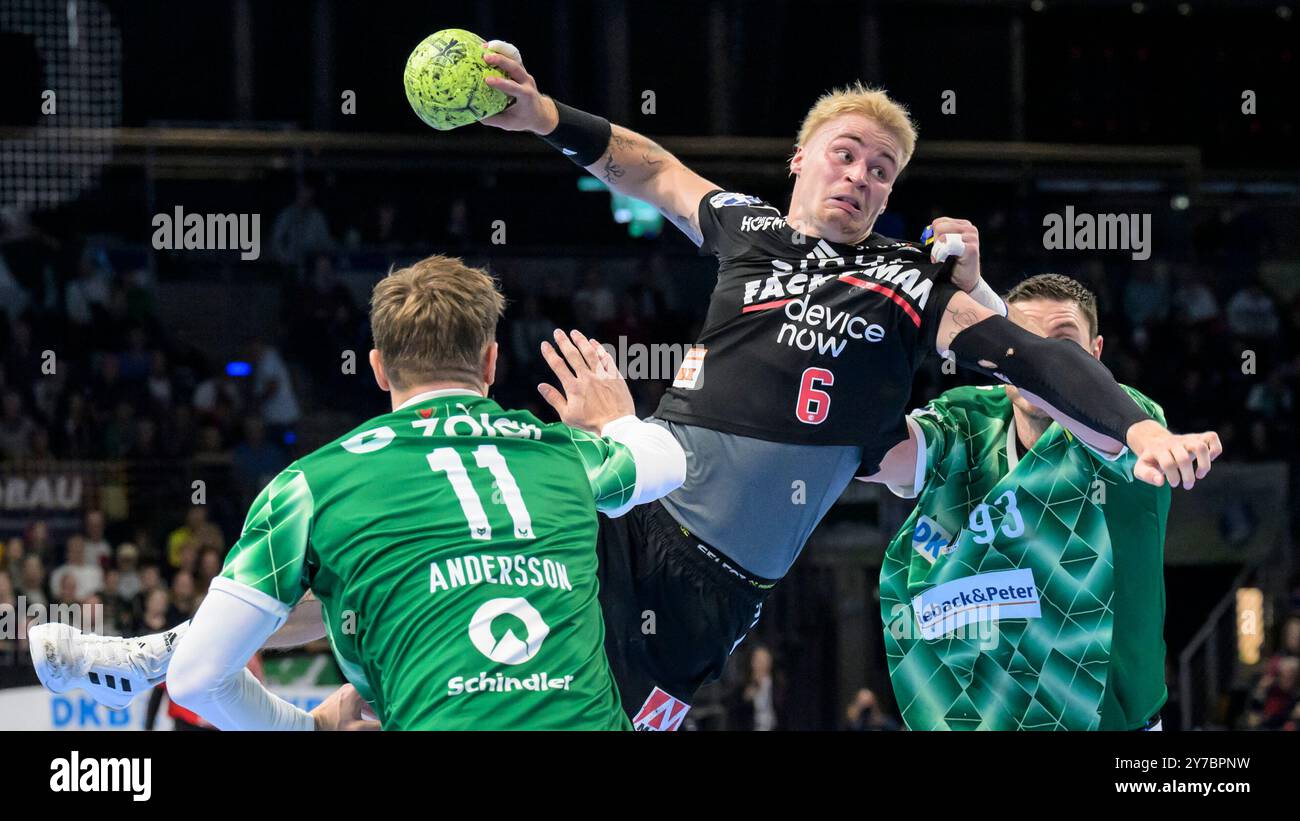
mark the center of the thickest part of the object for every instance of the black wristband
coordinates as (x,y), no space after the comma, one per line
(1059,371)
(582,137)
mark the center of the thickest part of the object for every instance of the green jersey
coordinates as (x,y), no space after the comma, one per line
(1025,591)
(452,546)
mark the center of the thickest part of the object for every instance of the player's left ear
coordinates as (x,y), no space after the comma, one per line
(377,365)
(1096,347)
(490,364)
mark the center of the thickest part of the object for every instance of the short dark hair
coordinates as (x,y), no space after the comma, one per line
(1062,288)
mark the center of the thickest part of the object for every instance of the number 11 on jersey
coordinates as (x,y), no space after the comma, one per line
(487,457)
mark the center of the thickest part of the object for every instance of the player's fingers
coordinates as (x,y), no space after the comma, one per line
(559,366)
(608,367)
(951,225)
(584,346)
(513,68)
(571,354)
(508,49)
(1183,459)
(554,398)
(361,726)
(1168,466)
(505,85)
(1216,447)
(1147,472)
(1201,452)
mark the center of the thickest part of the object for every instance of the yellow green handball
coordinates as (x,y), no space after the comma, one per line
(444,80)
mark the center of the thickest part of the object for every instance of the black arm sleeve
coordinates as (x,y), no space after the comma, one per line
(1059,371)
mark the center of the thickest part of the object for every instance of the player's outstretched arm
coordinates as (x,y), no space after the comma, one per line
(626,161)
(208,675)
(595,398)
(1075,389)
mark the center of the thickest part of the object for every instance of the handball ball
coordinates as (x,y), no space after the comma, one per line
(444,80)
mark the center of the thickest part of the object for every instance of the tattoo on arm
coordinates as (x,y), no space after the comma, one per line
(962,318)
(612,170)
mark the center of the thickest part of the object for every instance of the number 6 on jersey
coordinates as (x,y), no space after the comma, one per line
(814,404)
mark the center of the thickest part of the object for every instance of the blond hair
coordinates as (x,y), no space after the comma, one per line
(433,320)
(872,103)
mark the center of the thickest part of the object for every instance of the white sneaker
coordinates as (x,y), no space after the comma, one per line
(112,670)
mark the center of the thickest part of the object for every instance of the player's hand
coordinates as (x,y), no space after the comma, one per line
(345,709)
(966,273)
(530,109)
(594,393)
(1179,459)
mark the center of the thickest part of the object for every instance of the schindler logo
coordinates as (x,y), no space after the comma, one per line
(1098,232)
(180,231)
(128,775)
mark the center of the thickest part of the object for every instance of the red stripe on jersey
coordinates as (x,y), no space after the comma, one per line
(777,304)
(889,292)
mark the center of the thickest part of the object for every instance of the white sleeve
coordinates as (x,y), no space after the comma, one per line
(913,490)
(208,674)
(659,458)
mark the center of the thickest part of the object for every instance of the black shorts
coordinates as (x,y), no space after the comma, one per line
(674,610)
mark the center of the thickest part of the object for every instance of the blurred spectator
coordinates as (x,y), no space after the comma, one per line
(218,399)
(864,714)
(759,705)
(155,615)
(117,613)
(129,582)
(86,297)
(256,461)
(8,594)
(87,577)
(31,584)
(16,427)
(1252,314)
(185,597)
(196,530)
(274,391)
(9,612)
(98,550)
(1194,302)
(74,434)
(300,230)
(594,301)
(11,557)
(1146,295)
(209,566)
(37,539)
(65,590)
(1273,703)
(159,381)
(527,332)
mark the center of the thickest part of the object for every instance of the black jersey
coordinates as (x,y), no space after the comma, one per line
(807,341)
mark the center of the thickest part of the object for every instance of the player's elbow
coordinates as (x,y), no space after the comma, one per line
(191,681)
(660,463)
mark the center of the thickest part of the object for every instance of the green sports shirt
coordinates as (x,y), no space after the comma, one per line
(1025,591)
(451,544)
